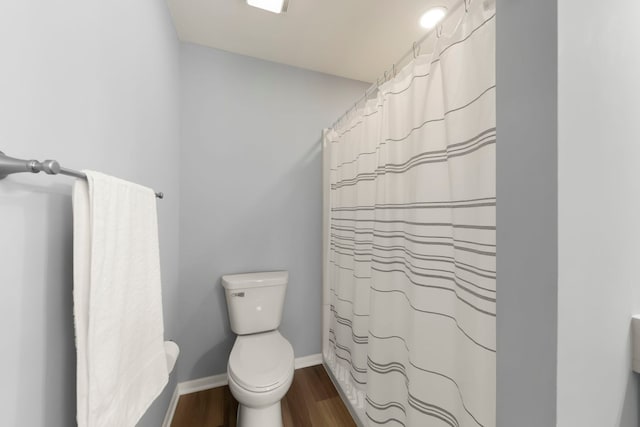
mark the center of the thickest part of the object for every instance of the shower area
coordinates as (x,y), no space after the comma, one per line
(409,237)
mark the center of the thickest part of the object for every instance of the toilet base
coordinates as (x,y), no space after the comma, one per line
(268,416)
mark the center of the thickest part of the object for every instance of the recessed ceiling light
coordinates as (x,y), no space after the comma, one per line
(275,6)
(432,17)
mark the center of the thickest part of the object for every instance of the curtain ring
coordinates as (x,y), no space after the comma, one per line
(466,6)
(394,70)
(439,31)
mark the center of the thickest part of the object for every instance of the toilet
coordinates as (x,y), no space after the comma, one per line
(260,368)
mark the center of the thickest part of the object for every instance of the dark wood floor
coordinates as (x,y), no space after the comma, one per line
(312,401)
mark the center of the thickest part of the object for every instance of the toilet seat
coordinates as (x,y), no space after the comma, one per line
(262,362)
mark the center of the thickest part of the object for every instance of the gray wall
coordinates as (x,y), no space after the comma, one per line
(527,213)
(251,193)
(599,193)
(94,85)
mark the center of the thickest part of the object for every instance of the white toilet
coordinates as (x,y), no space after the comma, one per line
(260,367)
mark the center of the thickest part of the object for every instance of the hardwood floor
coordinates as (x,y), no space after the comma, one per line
(312,401)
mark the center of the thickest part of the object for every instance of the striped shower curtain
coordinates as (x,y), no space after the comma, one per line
(410,261)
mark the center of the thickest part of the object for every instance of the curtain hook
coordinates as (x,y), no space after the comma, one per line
(414,50)
(439,31)
(394,70)
(386,76)
(466,6)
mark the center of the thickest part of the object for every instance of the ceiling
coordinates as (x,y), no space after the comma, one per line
(356,39)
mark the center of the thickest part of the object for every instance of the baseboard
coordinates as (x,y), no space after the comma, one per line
(220,380)
(306,361)
(171,410)
(352,411)
(201,384)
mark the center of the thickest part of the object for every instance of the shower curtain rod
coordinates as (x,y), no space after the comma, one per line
(391,71)
(9,165)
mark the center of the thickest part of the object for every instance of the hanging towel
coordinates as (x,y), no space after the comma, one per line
(121,363)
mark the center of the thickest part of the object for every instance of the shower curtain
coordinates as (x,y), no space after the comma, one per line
(410,260)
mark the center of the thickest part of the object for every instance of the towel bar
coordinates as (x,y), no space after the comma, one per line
(10,165)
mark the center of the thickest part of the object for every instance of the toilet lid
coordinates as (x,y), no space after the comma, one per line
(261,362)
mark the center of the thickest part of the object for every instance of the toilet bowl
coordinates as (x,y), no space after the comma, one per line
(261,363)
(260,372)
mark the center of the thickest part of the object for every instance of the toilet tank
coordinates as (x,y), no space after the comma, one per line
(255,300)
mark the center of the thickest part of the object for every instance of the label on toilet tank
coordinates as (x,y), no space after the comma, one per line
(237,294)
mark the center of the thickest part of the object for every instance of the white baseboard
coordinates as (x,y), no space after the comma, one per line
(171,410)
(220,380)
(355,415)
(200,384)
(306,361)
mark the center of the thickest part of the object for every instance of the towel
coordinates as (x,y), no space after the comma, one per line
(121,363)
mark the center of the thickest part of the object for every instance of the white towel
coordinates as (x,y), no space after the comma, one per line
(122,366)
